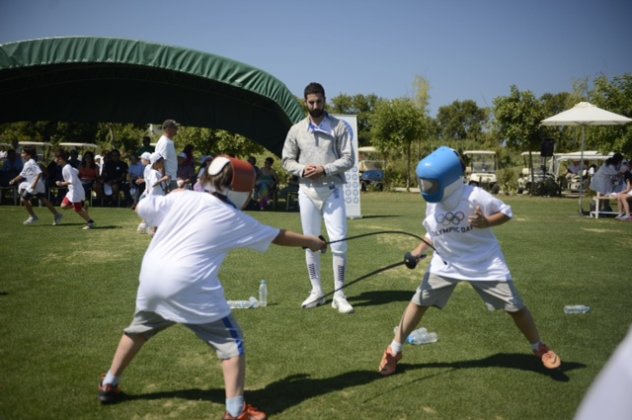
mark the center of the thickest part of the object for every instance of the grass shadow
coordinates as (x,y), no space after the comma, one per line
(77,224)
(519,361)
(380,297)
(292,390)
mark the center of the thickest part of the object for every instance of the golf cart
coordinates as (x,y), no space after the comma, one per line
(572,183)
(480,169)
(538,174)
(42,149)
(371,170)
(81,147)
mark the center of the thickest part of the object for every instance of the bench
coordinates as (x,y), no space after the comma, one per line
(598,199)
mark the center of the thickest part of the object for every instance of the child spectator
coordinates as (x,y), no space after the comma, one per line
(179,281)
(205,161)
(156,183)
(115,177)
(186,168)
(89,173)
(624,196)
(136,170)
(145,158)
(267,183)
(33,186)
(76,196)
(10,167)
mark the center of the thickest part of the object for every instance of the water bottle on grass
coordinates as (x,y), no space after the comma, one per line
(576,309)
(422,336)
(263,293)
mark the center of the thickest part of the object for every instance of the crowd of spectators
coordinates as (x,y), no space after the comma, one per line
(116,179)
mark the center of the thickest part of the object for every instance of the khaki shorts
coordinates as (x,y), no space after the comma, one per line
(435,291)
(224,335)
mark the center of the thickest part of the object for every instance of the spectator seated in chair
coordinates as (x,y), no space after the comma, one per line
(115,178)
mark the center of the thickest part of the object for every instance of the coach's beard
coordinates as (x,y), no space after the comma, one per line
(316,113)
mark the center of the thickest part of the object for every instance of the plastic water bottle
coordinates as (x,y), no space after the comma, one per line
(576,309)
(244,304)
(421,336)
(263,293)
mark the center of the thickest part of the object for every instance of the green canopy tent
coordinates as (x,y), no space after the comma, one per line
(83,79)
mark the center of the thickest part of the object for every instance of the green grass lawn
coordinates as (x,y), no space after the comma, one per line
(66,294)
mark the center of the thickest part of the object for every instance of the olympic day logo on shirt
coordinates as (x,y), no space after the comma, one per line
(450,222)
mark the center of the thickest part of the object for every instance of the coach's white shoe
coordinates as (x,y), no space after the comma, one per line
(314,299)
(342,305)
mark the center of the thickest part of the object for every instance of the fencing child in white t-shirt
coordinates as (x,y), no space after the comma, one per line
(32,186)
(179,277)
(76,195)
(458,221)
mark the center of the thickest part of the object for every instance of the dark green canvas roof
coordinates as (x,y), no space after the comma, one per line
(119,80)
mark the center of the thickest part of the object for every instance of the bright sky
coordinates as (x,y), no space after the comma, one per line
(465,49)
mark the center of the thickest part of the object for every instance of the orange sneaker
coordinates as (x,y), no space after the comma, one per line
(248,413)
(388,364)
(109,394)
(550,360)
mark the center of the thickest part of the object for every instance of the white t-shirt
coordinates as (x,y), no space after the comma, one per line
(76,193)
(471,253)
(196,231)
(167,149)
(30,170)
(151,178)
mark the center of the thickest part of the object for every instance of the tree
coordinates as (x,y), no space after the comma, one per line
(517,119)
(361,105)
(214,142)
(614,96)
(554,104)
(395,125)
(462,120)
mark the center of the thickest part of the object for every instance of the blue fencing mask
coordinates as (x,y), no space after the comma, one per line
(440,175)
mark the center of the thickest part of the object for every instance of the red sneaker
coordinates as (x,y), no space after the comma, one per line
(550,360)
(388,364)
(248,413)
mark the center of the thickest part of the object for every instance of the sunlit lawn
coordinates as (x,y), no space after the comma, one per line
(66,294)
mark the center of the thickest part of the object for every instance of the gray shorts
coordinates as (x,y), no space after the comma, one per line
(435,291)
(224,335)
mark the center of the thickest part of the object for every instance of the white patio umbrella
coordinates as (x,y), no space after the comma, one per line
(584,114)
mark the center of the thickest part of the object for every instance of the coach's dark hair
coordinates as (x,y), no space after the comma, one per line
(313,88)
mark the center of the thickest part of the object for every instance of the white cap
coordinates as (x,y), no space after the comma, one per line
(146,156)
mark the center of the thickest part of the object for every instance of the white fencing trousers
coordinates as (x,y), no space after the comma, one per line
(334,214)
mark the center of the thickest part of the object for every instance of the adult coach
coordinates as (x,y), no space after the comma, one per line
(318,150)
(167,149)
